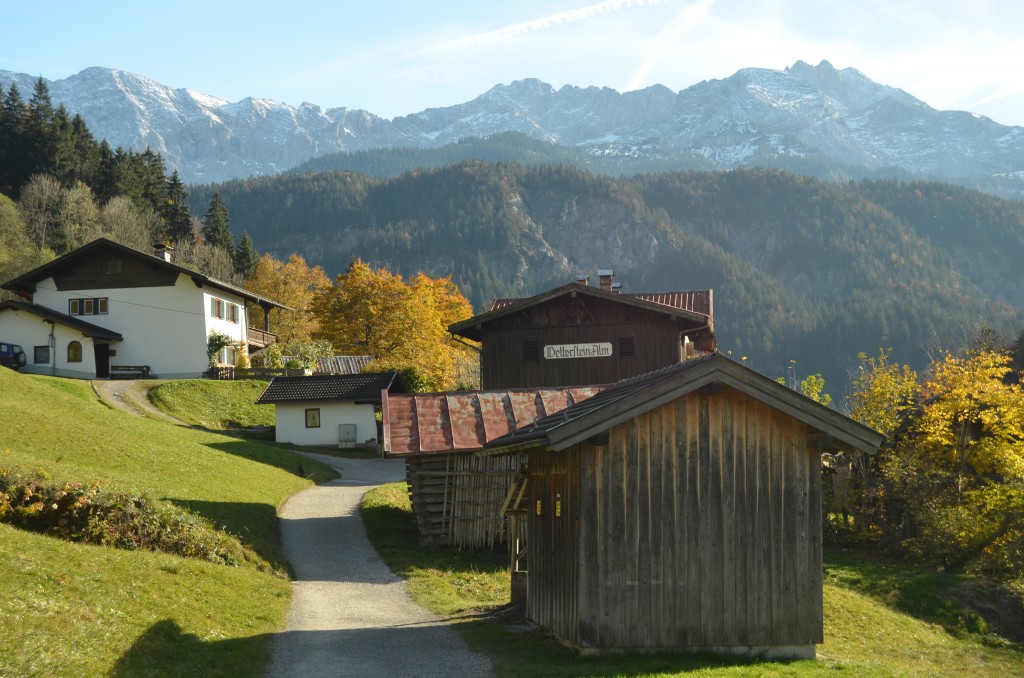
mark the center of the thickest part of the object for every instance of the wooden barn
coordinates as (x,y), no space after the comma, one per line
(581,334)
(681,510)
(456,495)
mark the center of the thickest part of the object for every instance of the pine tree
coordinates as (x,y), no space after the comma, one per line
(176,215)
(246,257)
(217,225)
(13,172)
(39,131)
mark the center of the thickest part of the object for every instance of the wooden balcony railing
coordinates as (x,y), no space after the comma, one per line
(259,338)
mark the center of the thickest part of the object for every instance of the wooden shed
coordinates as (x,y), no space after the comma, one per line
(456,495)
(681,510)
(580,334)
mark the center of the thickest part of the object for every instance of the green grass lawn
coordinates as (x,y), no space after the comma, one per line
(880,620)
(214,404)
(73,609)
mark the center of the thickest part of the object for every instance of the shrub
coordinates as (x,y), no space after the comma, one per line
(84,513)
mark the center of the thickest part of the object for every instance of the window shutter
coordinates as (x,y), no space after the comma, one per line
(530,351)
(627,347)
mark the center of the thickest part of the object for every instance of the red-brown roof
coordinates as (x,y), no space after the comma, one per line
(435,423)
(697,301)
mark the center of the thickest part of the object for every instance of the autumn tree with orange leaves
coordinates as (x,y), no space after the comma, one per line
(292,283)
(402,324)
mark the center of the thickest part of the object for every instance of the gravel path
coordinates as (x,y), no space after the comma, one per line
(350,615)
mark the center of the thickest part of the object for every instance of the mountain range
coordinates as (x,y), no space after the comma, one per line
(814,120)
(801,269)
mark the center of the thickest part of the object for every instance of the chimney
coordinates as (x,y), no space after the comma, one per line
(605,275)
(163,251)
(617,288)
(583,279)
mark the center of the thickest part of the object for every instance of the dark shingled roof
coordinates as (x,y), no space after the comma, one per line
(359,388)
(630,397)
(87,329)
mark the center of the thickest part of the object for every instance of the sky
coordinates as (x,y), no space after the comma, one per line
(396,57)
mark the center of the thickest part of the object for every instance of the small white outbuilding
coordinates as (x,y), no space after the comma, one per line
(329,410)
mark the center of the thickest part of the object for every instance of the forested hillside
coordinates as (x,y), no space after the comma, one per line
(802,269)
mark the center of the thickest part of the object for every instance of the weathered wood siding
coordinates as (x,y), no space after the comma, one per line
(697,526)
(457,498)
(653,337)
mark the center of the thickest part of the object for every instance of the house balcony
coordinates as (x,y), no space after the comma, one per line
(259,338)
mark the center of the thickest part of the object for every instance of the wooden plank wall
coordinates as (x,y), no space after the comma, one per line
(700,526)
(554,517)
(457,498)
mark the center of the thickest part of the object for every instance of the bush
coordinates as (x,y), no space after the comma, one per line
(82,513)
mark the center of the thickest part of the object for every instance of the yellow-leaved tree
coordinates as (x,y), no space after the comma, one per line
(292,283)
(959,470)
(403,325)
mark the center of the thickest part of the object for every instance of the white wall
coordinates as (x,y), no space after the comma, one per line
(163,327)
(29,330)
(291,423)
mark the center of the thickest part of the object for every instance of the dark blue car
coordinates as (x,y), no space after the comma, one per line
(12,356)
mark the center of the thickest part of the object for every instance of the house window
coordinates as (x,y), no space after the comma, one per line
(95,306)
(224,310)
(228,355)
(74,352)
(42,355)
(627,347)
(530,351)
(312,417)
(216,307)
(233,312)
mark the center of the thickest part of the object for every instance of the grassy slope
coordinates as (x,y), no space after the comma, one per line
(866,634)
(84,610)
(214,404)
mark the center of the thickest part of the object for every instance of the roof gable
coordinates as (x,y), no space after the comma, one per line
(27,281)
(631,397)
(359,388)
(655,302)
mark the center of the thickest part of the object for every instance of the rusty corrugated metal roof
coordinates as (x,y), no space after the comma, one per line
(434,423)
(342,364)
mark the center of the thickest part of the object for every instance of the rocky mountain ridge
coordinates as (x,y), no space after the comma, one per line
(811,119)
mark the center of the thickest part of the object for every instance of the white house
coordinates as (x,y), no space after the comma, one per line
(105,308)
(329,410)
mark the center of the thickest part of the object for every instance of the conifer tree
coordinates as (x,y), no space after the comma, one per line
(246,257)
(217,226)
(175,213)
(13,172)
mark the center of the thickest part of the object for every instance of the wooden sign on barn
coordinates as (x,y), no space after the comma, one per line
(580,334)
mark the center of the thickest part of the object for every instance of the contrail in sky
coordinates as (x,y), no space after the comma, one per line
(539,24)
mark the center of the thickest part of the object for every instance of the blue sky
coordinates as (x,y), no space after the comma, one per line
(394,57)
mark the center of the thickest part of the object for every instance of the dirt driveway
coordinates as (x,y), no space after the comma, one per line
(131,396)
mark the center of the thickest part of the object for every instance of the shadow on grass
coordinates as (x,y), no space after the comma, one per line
(278,457)
(165,650)
(535,653)
(426,649)
(959,604)
(255,525)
